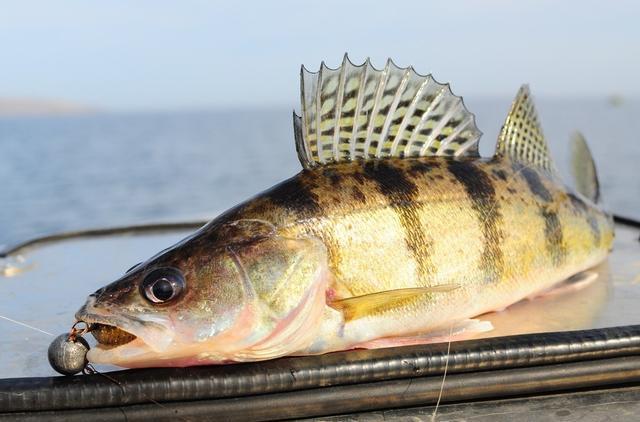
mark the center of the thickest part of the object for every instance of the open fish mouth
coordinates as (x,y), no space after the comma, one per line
(110,335)
(122,339)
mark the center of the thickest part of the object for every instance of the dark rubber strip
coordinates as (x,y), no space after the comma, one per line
(312,372)
(368,396)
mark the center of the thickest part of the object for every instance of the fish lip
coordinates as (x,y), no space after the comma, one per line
(143,330)
(92,319)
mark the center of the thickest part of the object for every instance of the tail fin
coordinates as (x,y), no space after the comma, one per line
(584,169)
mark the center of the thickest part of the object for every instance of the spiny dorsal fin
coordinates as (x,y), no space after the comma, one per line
(359,306)
(362,113)
(584,169)
(521,137)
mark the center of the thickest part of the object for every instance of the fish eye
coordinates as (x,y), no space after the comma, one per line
(162,285)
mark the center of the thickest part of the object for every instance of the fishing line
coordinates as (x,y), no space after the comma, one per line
(446,363)
(444,375)
(26,325)
(90,369)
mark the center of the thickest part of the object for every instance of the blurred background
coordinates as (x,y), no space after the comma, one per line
(124,112)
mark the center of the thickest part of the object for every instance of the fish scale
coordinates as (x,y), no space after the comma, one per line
(395,232)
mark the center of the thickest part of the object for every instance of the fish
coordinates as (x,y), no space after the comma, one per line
(395,232)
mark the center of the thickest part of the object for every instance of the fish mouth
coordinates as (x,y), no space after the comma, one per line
(123,339)
(109,332)
(109,336)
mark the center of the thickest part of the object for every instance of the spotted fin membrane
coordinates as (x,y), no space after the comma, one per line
(521,137)
(362,113)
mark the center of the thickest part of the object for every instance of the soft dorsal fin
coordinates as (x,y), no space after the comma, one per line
(362,113)
(359,306)
(584,169)
(521,137)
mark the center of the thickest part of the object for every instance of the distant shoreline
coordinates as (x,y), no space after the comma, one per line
(15,107)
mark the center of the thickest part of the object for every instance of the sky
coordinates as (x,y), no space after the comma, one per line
(161,54)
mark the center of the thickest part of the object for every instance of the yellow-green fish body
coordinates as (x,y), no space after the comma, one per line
(396,230)
(496,229)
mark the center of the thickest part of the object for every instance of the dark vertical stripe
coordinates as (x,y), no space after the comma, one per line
(581,208)
(482,195)
(553,232)
(553,235)
(595,229)
(295,195)
(535,184)
(401,193)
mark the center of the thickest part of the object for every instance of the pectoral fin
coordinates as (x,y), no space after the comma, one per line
(358,306)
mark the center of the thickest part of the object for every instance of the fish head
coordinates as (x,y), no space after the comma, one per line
(240,292)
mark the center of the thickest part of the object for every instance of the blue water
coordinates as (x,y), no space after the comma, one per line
(73,172)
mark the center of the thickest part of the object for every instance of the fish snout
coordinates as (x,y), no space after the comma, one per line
(87,308)
(97,293)
(118,292)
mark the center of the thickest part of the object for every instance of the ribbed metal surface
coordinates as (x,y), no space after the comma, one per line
(290,374)
(365,397)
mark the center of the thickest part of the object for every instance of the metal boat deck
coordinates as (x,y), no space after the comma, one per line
(589,339)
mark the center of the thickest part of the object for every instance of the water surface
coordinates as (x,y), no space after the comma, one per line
(63,173)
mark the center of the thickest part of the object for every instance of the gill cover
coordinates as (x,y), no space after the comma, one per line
(276,284)
(285,280)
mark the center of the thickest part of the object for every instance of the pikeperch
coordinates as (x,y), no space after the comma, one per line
(395,232)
